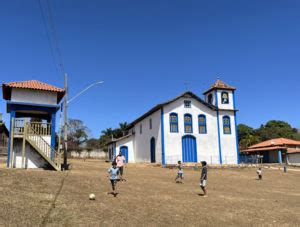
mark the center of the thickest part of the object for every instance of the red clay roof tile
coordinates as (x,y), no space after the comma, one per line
(34,84)
(276,142)
(219,84)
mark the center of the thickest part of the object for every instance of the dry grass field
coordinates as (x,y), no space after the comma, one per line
(149,197)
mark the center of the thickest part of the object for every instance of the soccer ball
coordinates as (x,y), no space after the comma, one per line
(92,197)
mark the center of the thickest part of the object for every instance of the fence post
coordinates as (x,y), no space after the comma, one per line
(12,142)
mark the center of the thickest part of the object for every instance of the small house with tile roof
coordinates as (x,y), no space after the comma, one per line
(279,150)
(32,106)
(4,135)
(186,128)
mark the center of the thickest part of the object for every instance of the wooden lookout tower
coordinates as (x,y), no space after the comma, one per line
(32,106)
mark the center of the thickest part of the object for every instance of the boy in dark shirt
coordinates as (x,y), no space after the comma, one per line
(203,178)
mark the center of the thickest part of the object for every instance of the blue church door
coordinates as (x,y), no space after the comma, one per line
(152,149)
(189,149)
(124,151)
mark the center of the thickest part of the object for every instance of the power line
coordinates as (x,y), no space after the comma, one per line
(52,36)
(55,37)
(48,36)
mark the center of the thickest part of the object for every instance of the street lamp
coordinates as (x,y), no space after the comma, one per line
(84,90)
(66,102)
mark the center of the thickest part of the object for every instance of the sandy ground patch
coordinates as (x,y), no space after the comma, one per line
(148,197)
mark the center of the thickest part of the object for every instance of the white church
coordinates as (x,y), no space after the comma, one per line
(186,128)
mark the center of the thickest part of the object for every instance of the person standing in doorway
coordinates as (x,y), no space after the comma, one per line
(121,161)
(203,178)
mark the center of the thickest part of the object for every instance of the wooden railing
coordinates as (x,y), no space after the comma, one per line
(38,128)
(41,144)
(19,125)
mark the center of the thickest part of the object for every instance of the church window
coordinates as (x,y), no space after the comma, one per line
(210,99)
(226,125)
(141,128)
(202,124)
(150,123)
(187,103)
(173,122)
(224,97)
(188,123)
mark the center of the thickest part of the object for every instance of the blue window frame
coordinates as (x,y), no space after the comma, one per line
(188,123)
(225,97)
(187,103)
(226,125)
(202,124)
(173,122)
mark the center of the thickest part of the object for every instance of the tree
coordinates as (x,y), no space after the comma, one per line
(246,136)
(93,144)
(271,130)
(77,133)
(123,128)
(275,129)
(244,131)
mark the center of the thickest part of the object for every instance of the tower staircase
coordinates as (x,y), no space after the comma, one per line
(33,133)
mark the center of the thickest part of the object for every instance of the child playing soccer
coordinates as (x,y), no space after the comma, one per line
(114,177)
(203,178)
(121,160)
(179,173)
(259,173)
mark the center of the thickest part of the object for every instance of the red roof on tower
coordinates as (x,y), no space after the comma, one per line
(219,84)
(32,85)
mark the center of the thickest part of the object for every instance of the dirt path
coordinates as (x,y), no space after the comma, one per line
(149,197)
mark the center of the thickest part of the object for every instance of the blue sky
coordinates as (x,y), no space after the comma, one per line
(146,50)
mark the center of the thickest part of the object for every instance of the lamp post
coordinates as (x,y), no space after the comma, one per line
(66,102)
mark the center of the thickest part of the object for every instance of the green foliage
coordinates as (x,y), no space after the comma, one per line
(77,134)
(271,130)
(108,134)
(276,129)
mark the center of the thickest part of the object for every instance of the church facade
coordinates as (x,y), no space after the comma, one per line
(186,128)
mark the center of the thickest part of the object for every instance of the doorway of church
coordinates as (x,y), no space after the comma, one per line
(152,150)
(124,151)
(189,149)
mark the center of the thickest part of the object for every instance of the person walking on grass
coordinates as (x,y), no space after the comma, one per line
(121,160)
(203,178)
(179,173)
(114,177)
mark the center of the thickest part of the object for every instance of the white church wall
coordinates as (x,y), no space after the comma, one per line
(33,96)
(142,140)
(207,144)
(228,141)
(128,142)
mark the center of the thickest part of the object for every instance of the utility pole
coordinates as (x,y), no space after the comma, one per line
(66,124)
